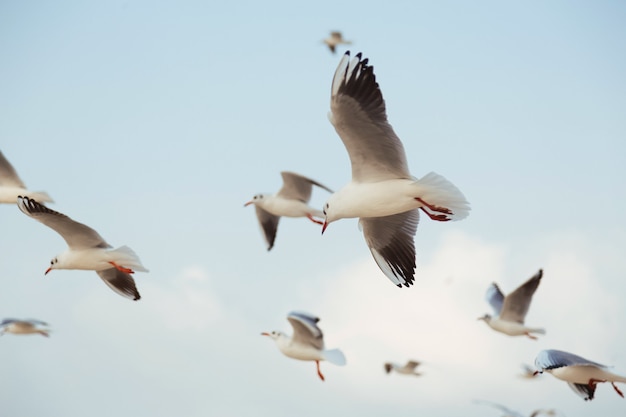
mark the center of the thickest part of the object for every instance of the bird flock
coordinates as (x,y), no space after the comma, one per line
(382,194)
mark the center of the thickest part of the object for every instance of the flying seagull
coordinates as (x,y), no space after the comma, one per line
(87,250)
(290,201)
(24,327)
(335,39)
(307,342)
(511,310)
(407,369)
(12,186)
(582,375)
(382,193)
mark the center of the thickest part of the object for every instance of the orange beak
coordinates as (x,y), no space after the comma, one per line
(265,334)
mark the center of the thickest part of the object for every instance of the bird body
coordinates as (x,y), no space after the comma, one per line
(382,191)
(22,327)
(407,369)
(306,343)
(87,250)
(510,311)
(290,201)
(11,186)
(335,38)
(582,375)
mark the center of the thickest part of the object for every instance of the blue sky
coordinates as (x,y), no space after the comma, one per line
(154,122)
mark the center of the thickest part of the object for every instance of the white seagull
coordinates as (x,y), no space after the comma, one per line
(407,369)
(307,342)
(24,327)
(582,375)
(290,201)
(382,193)
(87,250)
(12,186)
(335,39)
(511,310)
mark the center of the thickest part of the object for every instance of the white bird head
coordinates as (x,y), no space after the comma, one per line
(275,335)
(258,199)
(54,264)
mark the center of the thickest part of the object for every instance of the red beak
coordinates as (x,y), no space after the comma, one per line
(247,204)
(265,334)
(47,270)
(324,226)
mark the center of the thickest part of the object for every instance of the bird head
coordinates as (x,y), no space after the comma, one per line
(275,335)
(257,199)
(53,265)
(486,318)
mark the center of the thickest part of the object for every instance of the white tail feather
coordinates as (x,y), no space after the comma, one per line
(438,191)
(335,356)
(126,257)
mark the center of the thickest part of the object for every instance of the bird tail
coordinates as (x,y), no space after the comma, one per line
(335,356)
(438,191)
(44,333)
(126,257)
(539,331)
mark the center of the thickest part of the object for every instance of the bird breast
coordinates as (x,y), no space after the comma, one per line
(581,374)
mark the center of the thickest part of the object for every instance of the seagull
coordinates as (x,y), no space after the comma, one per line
(510,413)
(528,372)
(307,342)
(582,375)
(407,369)
(335,39)
(23,327)
(382,193)
(511,310)
(87,250)
(290,201)
(12,186)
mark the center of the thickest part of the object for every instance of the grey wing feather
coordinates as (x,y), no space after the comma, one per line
(37,322)
(516,304)
(76,235)
(412,364)
(8,175)
(269,225)
(552,359)
(8,321)
(298,187)
(390,239)
(359,117)
(120,282)
(495,298)
(305,330)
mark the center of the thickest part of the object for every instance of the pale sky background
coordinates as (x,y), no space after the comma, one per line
(154,122)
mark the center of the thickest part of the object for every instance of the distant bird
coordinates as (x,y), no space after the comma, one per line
(87,250)
(408,369)
(335,39)
(24,327)
(511,310)
(528,372)
(290,201)
(12,186)
(582,375)
(382,193)
(511,413)
(307,342)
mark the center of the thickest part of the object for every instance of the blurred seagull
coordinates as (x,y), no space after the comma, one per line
(511,310)
(382,193)
(23,327)
(307,342)
(407,369)
(582,375)
(12,186)
(290,201)
(335,39)
(528,372)
(510,413)
(87,250)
